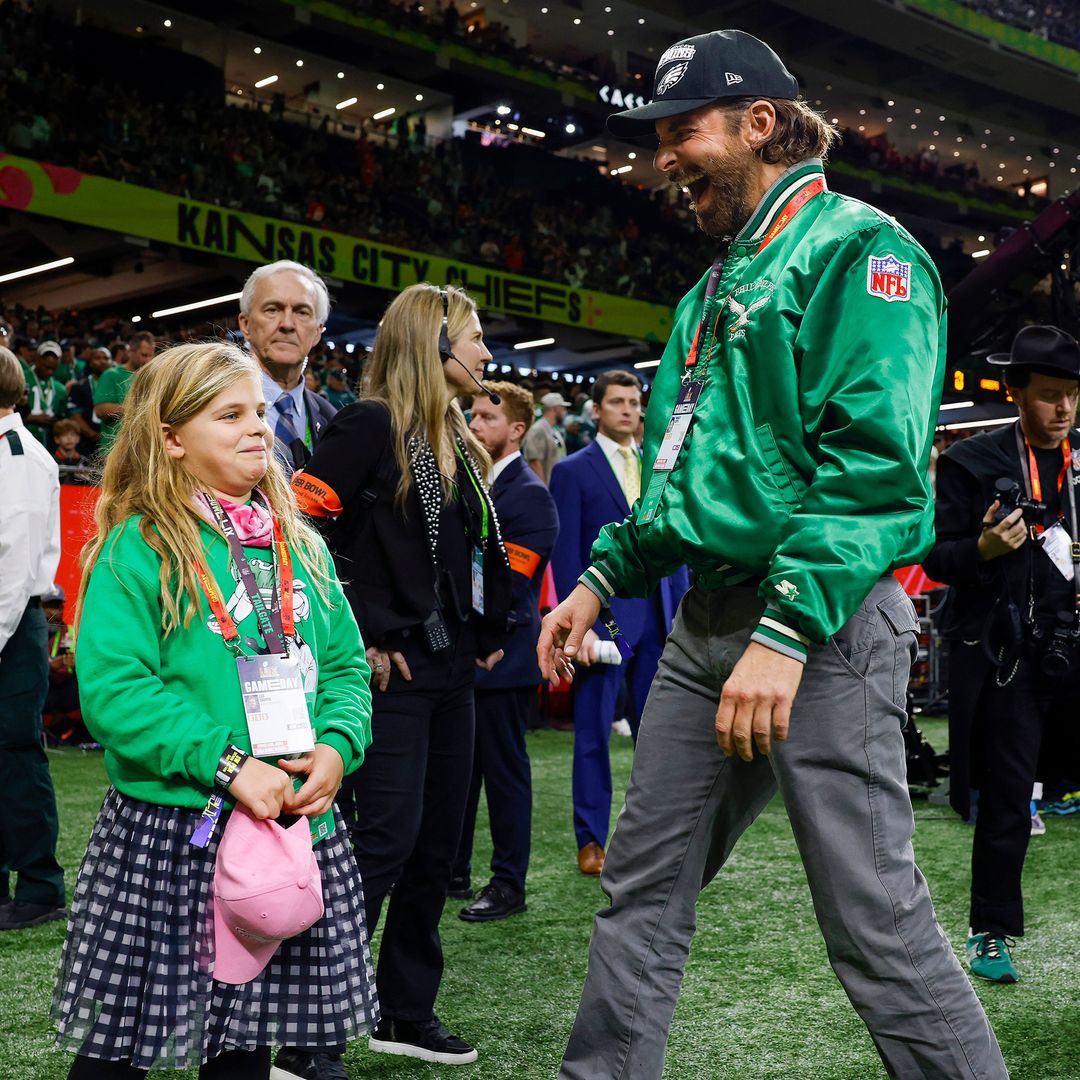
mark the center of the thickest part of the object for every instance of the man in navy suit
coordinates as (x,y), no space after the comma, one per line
(283,311)
(506,695)
(593,488)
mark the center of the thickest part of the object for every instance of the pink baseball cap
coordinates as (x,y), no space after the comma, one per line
(267,888)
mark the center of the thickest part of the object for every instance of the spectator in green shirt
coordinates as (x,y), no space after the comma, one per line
(113,385)
(337,390)
(46,398)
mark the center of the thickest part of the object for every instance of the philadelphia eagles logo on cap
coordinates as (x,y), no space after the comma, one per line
(671,78)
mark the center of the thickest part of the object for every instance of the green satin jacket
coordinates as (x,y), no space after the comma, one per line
(805,465)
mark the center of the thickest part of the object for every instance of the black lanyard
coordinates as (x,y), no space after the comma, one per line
(269,621)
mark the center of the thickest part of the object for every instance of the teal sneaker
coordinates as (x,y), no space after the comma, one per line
(989,958)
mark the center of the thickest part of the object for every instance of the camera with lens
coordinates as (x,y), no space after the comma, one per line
(1056,649)
(1010,495)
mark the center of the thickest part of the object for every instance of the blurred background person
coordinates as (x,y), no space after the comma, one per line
(592,488)
(46,398)
(111,389)
(544,443)
(506,697)
(29,555)
(283,311)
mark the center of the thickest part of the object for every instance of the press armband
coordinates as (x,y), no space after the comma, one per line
(229,764)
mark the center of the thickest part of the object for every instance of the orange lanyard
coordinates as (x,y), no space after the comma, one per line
(1036,481)
(285,575)
(783,220)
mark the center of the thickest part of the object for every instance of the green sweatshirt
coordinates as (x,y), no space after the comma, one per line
(165,708)
(805,465)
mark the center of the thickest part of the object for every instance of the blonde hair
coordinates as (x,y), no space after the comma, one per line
(799,132)
(405,373)
(12,381)
(141,478)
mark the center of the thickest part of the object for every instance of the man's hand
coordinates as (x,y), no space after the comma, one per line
(324,769)
(379,660)
(1006,536)
(755,705)
(261,788)
(562,632)
(489,661)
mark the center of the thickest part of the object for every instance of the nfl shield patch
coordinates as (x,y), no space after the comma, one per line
(888,277)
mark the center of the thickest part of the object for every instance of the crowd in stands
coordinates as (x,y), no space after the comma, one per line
(516,208)
(1054,22)
(443,21)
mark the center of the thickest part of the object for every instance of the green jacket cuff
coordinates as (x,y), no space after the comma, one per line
(774,632)
(595,581)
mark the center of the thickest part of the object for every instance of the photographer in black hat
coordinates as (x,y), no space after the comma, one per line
(1006,523)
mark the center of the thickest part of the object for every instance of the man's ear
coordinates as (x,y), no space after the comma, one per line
(520,434)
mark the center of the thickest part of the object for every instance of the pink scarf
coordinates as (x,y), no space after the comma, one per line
(252,521)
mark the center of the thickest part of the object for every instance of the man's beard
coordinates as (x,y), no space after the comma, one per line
(731,200)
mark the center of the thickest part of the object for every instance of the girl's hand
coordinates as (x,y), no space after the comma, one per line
(379,660)
(324,769)
(262,788)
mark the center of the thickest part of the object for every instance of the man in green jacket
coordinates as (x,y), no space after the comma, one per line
(786,452)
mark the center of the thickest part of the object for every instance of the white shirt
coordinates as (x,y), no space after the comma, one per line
(29,523)
(612,451)
(502,463)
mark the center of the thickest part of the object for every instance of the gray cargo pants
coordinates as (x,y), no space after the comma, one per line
(842,776)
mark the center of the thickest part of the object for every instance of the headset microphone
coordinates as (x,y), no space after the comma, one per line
(446,352)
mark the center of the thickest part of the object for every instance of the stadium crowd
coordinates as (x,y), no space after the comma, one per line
(1055,22)
(518,208)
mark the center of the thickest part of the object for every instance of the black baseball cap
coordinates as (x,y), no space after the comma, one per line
(1044,349)
(700,70)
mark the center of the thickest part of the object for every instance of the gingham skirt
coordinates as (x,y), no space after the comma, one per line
(134,978)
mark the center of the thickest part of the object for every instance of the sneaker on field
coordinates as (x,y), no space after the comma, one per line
(989,957)
(1038,826)
(427,1040)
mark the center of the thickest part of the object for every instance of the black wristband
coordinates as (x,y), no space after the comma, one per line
(229,764)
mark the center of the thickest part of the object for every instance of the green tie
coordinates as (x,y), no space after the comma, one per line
(631,474)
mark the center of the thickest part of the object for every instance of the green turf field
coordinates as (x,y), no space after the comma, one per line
(759,1001)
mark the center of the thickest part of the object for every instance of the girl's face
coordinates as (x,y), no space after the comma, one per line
(226,447)
(470,350)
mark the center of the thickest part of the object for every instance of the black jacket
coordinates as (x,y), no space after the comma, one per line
(529,525)
(984,604)
(382,555)
(320,412)
(966,474)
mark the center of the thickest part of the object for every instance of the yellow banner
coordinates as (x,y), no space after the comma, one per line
(70,195)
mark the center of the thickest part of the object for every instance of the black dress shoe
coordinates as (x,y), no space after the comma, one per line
(495,901)
(293,1064)
(460,888)
(19,915)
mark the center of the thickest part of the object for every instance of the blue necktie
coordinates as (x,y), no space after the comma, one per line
(286,429)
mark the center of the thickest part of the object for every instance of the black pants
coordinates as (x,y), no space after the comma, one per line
(28,833)
(1010,725)
(501,765)
(232,1065)
(405,805)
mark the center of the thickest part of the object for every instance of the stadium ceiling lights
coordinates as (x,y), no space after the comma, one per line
(956,405)
(39,269)
(346,103)
(382,114)
(192,307)
(647,364)
(266,82)
(538,343)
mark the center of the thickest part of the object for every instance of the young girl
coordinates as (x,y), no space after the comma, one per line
(168,611)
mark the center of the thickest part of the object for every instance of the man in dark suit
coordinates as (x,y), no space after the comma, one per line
(283,311)
(593,488)
(506,695)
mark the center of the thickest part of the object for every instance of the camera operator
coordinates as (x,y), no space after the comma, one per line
(1006,522)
